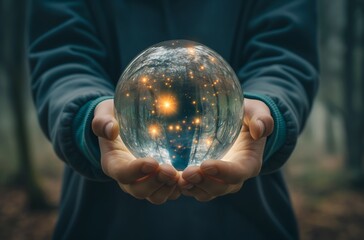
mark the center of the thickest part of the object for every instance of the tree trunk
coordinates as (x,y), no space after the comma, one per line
(13,36)
(353,116)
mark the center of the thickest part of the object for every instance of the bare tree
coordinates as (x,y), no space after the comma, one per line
(353,86)
(13,16)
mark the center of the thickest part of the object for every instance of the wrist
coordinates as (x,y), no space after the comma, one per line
(275,140)
(84,137)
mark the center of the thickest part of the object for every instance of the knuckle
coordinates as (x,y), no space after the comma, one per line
(97,124)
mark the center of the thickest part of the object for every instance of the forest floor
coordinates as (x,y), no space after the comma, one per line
(336,214)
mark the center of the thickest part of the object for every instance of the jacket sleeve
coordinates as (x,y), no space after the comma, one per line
(280,67)
(67,63)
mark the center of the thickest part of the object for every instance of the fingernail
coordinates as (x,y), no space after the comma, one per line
(262,127)
(210,171)
(148,168)
(108,129)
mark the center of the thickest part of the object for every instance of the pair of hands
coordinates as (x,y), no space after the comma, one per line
(146,179)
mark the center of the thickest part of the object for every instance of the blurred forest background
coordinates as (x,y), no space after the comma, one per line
(325,174)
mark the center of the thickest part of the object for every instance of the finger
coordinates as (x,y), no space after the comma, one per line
(184,185)
(167,174)
(258,118)
(224,171)
(192,175)
(144,189)
(127,172)
(198,193)
(104,123)
(176,194)
(161,195)
(212,186)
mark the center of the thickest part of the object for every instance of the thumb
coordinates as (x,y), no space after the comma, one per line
(258,118)
(104,123)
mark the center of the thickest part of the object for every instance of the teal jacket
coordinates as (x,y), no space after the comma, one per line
(78,50)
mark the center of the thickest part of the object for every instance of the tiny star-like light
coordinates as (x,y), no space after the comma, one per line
(127,94)
(144,79)
(167,104)
(154,130)
(191,50)
(208,142)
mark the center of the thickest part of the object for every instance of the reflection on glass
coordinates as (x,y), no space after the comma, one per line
(180,103)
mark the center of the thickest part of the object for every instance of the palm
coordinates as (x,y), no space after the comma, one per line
(143,178)
(244,160)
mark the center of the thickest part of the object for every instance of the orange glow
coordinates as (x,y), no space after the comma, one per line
(154,130)
(191,50)
(144,79)
(167,104)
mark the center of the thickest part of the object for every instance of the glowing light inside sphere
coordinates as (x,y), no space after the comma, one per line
(167,105)
(180,103)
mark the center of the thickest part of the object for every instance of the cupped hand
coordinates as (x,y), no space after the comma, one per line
(243,161)
(142,178)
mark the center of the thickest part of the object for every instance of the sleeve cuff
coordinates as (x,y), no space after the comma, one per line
(277,139)
(85,139)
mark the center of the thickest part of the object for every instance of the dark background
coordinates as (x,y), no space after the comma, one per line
(325,173)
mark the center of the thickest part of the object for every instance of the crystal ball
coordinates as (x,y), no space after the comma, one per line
(179,102)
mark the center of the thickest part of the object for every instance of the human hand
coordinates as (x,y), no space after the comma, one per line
(142,178)
(243,161)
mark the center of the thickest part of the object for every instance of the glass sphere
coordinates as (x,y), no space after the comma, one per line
(180,103)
